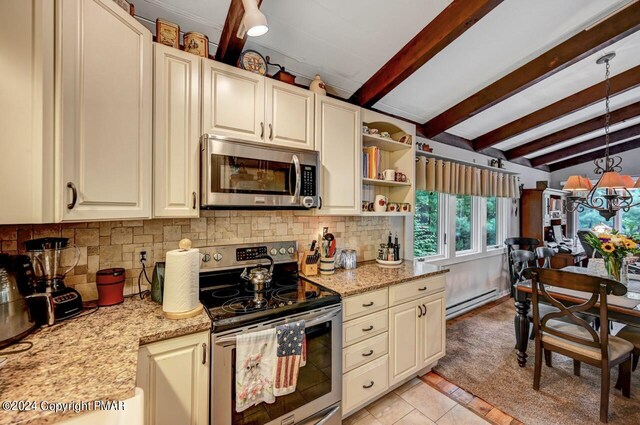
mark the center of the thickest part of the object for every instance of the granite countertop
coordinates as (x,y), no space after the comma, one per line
(369,276)
(88,358)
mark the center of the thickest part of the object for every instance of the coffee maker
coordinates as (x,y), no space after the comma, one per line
(53,258)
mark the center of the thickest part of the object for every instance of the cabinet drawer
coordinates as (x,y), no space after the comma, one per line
(364,383)
(364,327)
(413,290)
(359,305)
(365,351)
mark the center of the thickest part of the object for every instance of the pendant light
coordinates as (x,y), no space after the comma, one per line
(254,23)
(611,193)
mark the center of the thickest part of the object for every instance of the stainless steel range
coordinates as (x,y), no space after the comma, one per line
(247,288)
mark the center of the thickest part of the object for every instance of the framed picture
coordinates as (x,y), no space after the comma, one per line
(167,33)
(196,43)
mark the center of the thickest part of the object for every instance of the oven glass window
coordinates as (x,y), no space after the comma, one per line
(234,174)
(314,381)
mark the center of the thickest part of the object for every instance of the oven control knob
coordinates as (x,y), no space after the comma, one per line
(273,251)
(217,256)
(206,258)
(291,250)
(282,251)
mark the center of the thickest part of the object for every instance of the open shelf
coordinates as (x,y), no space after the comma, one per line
(383,143)
(378,182)
(387,213)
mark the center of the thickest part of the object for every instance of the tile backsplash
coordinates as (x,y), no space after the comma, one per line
(115,243)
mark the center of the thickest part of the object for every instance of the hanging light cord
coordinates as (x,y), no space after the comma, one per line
(607,115)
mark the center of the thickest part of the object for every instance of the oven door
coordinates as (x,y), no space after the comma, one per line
(242,174)
(319,388)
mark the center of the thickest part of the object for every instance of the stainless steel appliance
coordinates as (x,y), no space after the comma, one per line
(234,308)
(238,174)
(15,283)
(53,259)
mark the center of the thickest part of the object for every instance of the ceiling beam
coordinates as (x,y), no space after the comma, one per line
(452,22)
(592,156)
(567,53)
(596,142)
(619,84)
(617,116)
(230,46)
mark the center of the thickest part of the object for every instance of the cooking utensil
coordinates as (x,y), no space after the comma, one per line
(259,277)
(15,275)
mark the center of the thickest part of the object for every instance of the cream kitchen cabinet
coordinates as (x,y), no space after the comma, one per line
(174,375)
(405,340)
(338,128)
(289,115)
(103,112)
(26,105)
(176,152)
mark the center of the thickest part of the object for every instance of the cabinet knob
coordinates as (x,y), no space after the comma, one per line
(74,195)
(366,387)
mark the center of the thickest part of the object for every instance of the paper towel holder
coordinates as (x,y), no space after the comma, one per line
(184,244)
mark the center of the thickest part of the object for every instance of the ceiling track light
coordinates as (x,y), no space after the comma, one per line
(254,23)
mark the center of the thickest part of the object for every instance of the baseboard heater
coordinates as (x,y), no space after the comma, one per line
(474,302)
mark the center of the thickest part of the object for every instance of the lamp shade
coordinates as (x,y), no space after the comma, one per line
(637,186)
(611,180)
(575,184)
(587,183)
(628,181)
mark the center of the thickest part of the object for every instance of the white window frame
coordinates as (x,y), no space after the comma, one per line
(442,230)
(502,223)
(476,228)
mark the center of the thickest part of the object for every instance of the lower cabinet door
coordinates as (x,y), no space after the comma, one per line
(433,329)
(404,341)
(174,375)
(364,384)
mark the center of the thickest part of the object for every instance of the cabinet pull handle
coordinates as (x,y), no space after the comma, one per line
(366,387)
(369,304)
(424,288)
(370,328)
(261,130)
(370,353)
(74,195)
(195,197)
(420,312)
(204,353)
(425,310)
(270,131)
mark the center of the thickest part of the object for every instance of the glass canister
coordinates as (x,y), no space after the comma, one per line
(348,259)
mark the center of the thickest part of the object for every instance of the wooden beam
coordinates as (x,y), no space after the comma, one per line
(591,156)
(578,47)
(619,115)
(230,46)
(452,22)
(619,84)
(596,142)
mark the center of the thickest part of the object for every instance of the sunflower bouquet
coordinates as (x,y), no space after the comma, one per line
(614,247)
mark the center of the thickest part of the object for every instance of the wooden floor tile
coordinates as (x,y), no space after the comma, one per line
(499,417)
(480,406)
(461,396)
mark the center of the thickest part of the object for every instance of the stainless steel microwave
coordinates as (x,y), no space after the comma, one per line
(236,174)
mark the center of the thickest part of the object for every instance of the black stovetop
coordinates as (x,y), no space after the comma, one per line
(231,303)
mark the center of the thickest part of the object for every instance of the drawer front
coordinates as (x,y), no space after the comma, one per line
(360,305)
(364,327)
(365,351)
(416,289)
(364,383)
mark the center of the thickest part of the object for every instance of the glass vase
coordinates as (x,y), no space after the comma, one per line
(613,266)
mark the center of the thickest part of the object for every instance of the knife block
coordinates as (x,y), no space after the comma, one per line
(303,267)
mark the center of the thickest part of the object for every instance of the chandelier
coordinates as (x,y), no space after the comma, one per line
(612,191)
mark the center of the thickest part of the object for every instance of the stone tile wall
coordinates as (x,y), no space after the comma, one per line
(116,243)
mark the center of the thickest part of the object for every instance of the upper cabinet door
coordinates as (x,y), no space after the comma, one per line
(338,140)
(176,150)
(289,115)
(233,102)
(103,137)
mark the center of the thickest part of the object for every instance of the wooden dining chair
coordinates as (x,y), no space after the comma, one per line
(577,339)
(513,244)
(545,253)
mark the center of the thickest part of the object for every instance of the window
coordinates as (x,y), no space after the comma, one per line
(492,225)
(426,225)
(630,220)
(589,218)
(464,223)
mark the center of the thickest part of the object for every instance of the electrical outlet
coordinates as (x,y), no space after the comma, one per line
(142,254)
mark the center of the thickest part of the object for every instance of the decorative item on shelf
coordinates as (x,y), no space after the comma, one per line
(380,203)
(614,248)
(282,74)
(405,207)
(196,43)
(612,191)
(389,175)
(407,139)
(365,129)
(497,163)
(393,207)
(318,86)
(253,61)
(167,33)
(385,134)
(374,131)
(401,177)
(126,6)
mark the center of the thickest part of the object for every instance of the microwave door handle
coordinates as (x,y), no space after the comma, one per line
(296,164)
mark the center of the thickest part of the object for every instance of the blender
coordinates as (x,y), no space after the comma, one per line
(53,258)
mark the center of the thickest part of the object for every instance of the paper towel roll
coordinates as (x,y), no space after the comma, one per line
(181,285)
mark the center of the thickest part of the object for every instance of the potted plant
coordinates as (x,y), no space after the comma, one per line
(614,248)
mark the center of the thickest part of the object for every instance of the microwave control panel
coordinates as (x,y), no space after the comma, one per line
(308,181)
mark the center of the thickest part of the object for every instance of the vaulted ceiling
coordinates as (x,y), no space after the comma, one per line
(512,78)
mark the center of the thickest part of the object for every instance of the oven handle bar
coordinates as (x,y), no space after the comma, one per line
(310,323)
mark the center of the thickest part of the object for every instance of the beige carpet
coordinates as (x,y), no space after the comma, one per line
(481,359)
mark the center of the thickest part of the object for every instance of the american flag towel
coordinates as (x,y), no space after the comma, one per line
(291,346)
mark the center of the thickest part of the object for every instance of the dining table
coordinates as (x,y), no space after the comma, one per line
(623,309)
